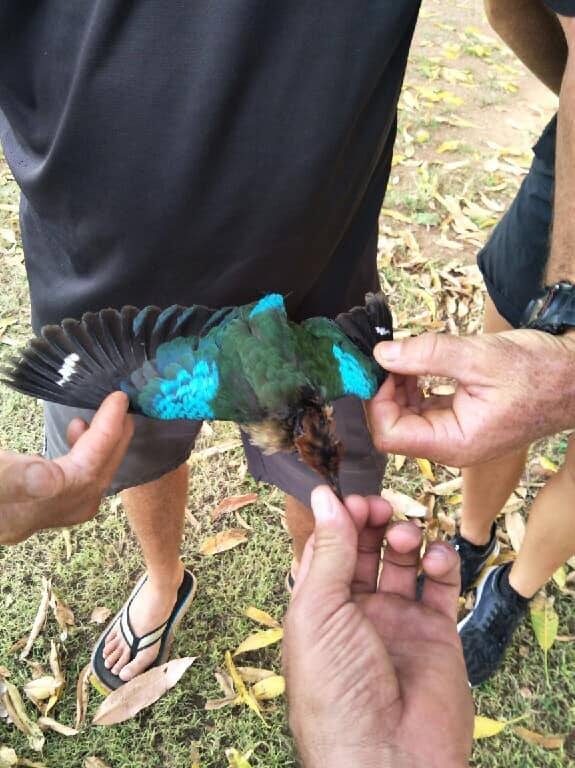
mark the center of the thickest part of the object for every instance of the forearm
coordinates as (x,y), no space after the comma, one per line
(561,263)
(534,34)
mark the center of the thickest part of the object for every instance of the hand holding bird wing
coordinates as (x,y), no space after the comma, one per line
(512,388)
(36,493)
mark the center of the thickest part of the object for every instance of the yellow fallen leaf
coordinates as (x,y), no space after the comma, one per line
(62,613)
(560,577)
(545,624)
(254,674)
(547,741)
(260,640)
(243,692)
(261,616)
(223,541)
(237,760)
(43,687)
(449,146)
(143,690)
(485,727)
(548,465)
(269,688)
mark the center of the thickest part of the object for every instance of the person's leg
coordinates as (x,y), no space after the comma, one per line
(487,486)
(550,533)
(156,513)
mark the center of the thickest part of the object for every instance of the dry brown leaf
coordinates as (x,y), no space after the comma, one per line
(547,741)
(447,524)
(66,535)
(19,716)
(448,487)
(94,762)
(63,614)
(223,541)
(232,503)
(83,694)
(225,682)
(42,688)
(100,614)
(399,461)
(515,527)
(40,619)
(403,504)
(140,692)
(227,701)
(53,725)
(243,523)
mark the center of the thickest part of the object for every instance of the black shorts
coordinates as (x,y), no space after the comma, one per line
(514,259)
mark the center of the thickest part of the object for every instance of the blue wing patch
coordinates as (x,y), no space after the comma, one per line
(187,395)
(271,301)
(356,380)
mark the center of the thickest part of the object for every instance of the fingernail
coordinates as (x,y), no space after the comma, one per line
(323,505)
(438,551)
(38,480)
(386,352)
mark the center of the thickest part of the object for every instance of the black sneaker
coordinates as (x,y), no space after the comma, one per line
(487,630)
(473,558)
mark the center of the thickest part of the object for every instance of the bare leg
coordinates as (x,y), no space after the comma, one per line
(550,533)
(299,521)
(156,513)
(486,487)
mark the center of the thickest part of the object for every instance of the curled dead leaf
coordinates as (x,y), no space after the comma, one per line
(54,725)
(515,527)
(100,614)
(19,716)
(403,504)
(83,694)
(40,618)
(547,741)
(254,674)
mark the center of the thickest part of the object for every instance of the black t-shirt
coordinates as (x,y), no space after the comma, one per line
(195,151)
(564,7)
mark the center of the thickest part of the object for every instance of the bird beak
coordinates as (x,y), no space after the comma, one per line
(333,482)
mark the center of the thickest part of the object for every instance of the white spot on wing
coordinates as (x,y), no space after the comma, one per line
(68,368)
(381,331)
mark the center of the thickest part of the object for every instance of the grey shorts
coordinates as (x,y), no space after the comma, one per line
(159,447)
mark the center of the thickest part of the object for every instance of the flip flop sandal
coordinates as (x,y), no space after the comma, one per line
(102,678)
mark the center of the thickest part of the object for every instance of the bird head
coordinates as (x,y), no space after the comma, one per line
(316,440)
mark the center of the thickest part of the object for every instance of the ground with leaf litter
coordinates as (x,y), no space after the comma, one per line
(469,114)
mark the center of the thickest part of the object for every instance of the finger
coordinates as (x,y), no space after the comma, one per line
(427,354)
(76,429)
(371,515)
(304,565)
(27,478)
(401,560)
(105,442)
(334,550)
(442,579)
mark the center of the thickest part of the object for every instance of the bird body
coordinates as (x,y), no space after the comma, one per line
(248,364)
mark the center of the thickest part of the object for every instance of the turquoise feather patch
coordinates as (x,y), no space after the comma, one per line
(356,380)
(271,301)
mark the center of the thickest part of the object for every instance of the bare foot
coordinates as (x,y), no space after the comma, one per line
(151,607)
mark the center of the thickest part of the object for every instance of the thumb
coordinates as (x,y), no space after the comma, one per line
(431,353)
(334,555)
(26,478)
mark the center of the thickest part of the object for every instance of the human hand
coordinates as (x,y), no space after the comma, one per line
(375,678)
(36,493)
(512,388)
